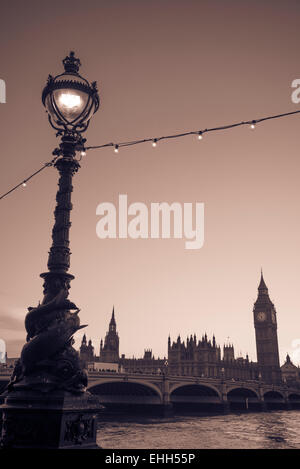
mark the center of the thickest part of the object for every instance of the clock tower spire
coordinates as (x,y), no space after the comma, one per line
(109,352)
(265,324)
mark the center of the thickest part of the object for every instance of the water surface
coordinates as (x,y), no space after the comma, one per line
(263,430)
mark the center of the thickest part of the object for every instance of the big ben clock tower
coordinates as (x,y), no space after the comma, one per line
(265,324)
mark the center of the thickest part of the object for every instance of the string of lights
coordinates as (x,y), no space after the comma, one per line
(199,133)
(154,140)
(24,182)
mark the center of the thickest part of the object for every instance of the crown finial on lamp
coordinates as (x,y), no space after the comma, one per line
(71,63)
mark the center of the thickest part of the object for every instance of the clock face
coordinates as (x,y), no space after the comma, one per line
(273,317)
(261,316)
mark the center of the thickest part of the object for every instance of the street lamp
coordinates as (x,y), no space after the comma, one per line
(69,98)
(48,387)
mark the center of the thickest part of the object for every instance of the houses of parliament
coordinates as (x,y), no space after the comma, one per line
(203,358)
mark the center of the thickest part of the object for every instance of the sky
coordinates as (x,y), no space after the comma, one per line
(162,67)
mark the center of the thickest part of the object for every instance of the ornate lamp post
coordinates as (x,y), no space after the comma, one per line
(47,405)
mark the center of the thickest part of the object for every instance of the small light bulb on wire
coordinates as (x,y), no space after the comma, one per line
(154,143)
(200,136)
(116,149)
(252,126)
(83,153)
(24,184)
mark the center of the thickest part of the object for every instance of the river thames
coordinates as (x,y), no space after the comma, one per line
(263,430)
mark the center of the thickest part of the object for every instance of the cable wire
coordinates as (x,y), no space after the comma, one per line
(193,132)
(154,141)
(23,183)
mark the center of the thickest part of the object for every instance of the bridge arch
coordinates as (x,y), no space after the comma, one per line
(245,391)
(128,388)
(242,398)
(294,396)
(203,389)
(294,400)
(274,400)
(195,397)
(273,395)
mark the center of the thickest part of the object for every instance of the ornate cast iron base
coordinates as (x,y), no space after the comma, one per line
(56,421)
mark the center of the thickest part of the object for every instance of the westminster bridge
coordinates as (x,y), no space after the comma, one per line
(164,392)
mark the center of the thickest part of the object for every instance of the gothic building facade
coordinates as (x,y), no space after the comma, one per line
(203,358)
(147,364)
(290,373)
(86,351)
(109,354)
